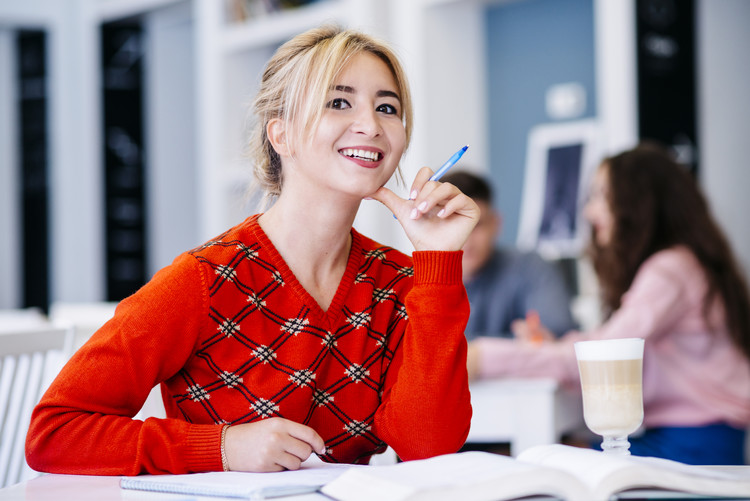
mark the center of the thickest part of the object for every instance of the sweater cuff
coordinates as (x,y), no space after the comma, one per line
(204,448)
(437,267)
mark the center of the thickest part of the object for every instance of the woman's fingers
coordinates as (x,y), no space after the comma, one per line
(439,217)
(308,436)
(442,200)
(271,445)
(422,177)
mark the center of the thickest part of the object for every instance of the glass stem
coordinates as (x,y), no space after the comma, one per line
(616,445)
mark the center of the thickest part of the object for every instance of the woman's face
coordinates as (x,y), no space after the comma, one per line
(360,138)
(597,210)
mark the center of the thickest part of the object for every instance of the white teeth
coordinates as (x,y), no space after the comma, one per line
(363,154)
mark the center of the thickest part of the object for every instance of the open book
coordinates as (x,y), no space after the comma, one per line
(565,472)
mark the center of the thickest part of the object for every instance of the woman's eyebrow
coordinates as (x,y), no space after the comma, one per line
(345,88)
(351,90)
(387,93)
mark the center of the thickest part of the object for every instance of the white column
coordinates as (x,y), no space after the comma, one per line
(208,119)
(75,172)
(724,111)
(169,132)
(10,286)
(616,72)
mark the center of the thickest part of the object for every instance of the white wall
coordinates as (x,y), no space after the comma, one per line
(724,115)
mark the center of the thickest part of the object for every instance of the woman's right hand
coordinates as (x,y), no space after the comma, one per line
(439,217)
(273,444)
(531,330)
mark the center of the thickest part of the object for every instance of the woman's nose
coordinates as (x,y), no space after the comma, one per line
(366,122)
(589,211)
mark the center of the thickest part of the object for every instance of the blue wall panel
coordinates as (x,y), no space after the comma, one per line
(532,45)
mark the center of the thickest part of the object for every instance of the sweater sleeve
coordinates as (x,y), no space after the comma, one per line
(426,408)
(84,424)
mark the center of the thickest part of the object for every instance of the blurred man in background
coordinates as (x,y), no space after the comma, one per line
(503,283)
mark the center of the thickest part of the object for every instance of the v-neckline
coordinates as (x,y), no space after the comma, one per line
(290,279)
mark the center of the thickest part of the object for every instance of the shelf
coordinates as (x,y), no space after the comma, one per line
(278,27)
(111,10)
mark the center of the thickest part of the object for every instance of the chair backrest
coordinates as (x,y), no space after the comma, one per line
(29,361)
(25,318)
(85,318)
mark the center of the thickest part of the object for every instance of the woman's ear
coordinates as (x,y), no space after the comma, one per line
(277,136)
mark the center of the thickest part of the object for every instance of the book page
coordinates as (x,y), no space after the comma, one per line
(606,474)
(468,476)
(587,464)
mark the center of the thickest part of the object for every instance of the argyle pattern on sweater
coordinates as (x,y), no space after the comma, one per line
(269,349)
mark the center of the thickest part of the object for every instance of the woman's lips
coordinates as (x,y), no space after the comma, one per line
(364,157)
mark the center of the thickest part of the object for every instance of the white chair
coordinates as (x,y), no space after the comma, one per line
(29,361)
(17,319)
(85,318)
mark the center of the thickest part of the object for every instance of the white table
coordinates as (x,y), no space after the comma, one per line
(523,412)
(92,488)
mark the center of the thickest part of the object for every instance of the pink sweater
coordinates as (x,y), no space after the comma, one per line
(691,376)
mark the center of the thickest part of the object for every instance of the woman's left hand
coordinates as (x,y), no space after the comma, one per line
(437,217)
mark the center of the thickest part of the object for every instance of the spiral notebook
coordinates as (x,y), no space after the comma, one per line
(238,484)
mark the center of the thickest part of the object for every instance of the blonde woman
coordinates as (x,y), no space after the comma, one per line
(291,333)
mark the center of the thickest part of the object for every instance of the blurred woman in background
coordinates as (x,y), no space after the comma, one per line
(667,274)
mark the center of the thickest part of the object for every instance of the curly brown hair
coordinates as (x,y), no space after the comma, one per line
(657,204)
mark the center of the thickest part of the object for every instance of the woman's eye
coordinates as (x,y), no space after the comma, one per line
(338,104)
(388,109)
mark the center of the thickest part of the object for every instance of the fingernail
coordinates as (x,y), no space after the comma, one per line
(414,214)
(441,213)
(367,198)
(423,206)
(413,195)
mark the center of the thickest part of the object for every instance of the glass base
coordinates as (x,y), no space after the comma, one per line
(616,445)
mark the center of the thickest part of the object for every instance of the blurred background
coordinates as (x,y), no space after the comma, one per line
(123,122)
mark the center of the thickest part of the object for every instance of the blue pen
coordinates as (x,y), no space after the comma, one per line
(450,163)
(447,165)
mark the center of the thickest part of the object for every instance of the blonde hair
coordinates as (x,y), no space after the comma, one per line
(295,85)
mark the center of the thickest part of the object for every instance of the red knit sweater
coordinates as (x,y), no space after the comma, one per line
(233,337)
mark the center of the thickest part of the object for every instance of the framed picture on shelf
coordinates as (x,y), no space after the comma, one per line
(559,162)
(239,11)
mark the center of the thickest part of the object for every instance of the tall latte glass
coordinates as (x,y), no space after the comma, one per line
(611,381)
